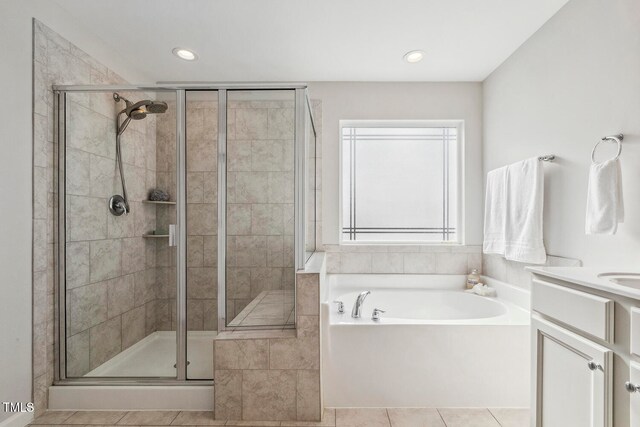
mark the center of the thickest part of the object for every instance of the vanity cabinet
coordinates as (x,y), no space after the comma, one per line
(586,351)
(572,378)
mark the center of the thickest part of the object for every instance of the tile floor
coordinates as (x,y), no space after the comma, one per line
(354,417)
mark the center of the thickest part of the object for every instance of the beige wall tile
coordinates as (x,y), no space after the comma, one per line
(268,395)
(228,394)
(133,326)
(78,354)
(387,263)
(201,282)
(451,263)
(355,263)
(120,295)
(104,259)
(419,263)
(301,353)
(202,219)
(308,294)
(86,307)
(242,354)
(86,218)
(251,123)
(105,340)
(281,123)
(308,395)
(239,155)
(195,251)
(77,264)
(133,255)
(239,219)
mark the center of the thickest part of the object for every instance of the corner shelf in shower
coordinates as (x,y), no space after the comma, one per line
(155,202)
(154,236)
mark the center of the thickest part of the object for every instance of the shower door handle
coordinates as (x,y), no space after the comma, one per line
(172,235)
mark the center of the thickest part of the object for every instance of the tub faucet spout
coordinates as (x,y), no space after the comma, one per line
(357,307)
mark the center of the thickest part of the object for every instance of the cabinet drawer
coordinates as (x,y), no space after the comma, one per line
(588,313)
(635,331)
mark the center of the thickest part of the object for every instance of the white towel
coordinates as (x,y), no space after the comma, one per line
(523,223)
(495,209)
(605,207)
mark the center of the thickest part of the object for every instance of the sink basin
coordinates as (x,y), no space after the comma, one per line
(631,280)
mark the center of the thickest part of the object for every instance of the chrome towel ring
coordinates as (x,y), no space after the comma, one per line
(611,138)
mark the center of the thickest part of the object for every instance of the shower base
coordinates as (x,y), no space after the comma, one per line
(155,356)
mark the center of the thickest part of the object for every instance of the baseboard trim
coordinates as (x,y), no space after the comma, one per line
(19,419)
(188,398)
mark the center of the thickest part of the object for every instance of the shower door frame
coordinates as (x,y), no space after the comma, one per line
(302,103)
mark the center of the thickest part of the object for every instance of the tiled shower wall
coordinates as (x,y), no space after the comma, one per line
(110,267)
(56,61)
(260,196)
(201,144)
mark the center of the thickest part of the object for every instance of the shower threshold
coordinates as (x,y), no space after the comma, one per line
(155,356)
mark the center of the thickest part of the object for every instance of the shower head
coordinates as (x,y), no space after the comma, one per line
(140,109)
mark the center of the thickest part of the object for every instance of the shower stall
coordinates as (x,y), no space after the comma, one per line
(182,211)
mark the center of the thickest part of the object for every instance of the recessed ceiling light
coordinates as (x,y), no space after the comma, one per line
(186,54)
(414,56)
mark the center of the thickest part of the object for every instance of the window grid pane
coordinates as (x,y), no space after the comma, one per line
(399,184)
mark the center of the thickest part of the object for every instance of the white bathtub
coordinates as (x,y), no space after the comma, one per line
(434,346)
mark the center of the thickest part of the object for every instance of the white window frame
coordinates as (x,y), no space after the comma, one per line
(460,176)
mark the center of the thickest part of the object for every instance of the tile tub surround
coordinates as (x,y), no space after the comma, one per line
(408,259)
(352,417)
(273,375)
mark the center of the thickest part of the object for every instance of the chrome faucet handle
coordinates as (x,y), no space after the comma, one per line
(340,306)
(631,387)
(376,314)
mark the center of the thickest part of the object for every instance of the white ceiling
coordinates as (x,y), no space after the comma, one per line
(322,40)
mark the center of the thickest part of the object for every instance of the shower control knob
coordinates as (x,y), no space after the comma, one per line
(340,306)
(631,387)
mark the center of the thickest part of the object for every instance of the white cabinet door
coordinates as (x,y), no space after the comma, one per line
(571,378)
(634,402)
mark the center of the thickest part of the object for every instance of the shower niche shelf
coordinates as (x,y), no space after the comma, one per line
(155,202)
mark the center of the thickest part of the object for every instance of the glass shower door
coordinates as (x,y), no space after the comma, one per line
(118,284)
(260,213)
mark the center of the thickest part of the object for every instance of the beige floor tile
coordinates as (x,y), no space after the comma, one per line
(362,417)
(415,417)
(196,418)
(95,417)
(149,418)
(468,417)
(253,423)
(52,417)
(512,417)
(328,420)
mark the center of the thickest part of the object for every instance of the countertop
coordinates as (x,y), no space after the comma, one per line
(588,277)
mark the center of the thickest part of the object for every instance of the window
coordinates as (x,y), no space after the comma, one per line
(400,182)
